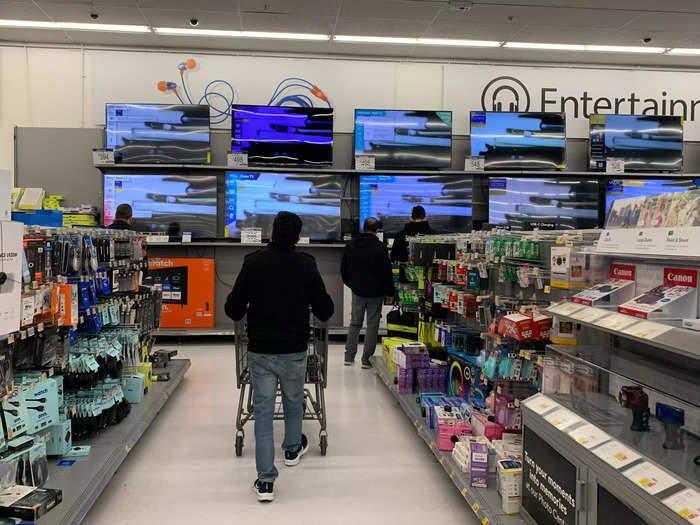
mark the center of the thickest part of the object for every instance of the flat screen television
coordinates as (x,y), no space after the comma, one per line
(617,189)
(562,203)
(159,133)
(283,136)
(399,139)
(253,199)
(170,204)
(447,200)
(519,141)
(644,142)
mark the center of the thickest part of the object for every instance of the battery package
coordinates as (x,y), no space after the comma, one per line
(677,297)
(616,290)
(32,504)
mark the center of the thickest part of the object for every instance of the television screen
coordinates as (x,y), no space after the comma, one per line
(281,135)
(634,188)
(159,133)
(547,204)
(644,142)
(170,204)
(527,141)
(253,200)
(404,139)
(447,200)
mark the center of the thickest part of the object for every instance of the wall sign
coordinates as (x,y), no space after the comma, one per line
(549,482)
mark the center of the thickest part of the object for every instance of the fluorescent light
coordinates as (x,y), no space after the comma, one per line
(177,31)
(684,51)
(555,47)
(375,39)
(453,42)
(37,24)
(625,49)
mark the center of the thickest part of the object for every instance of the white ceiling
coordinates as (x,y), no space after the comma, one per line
(672,23)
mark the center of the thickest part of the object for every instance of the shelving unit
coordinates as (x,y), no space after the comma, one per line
(83,482)
(485,503)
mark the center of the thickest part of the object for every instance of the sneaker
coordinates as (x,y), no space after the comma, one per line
(366,365)
(349,363)
(264,490)
(293,458)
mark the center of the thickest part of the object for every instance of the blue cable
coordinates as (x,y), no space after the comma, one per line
(275,94)
(184,85)
(288,86)
(301,100)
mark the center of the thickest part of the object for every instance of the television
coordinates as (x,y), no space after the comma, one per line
(644,142)
(519,141)
(399,139)
(253,199)
(617,189)
(169,204)
(283,136)
(447,200)
(159,133)
(562,203)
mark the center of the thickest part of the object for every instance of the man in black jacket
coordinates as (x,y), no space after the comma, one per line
(418,225)
(366,270)
(275,288)
(122,218)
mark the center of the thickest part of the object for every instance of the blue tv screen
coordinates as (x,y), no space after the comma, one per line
(447,200)
(519,141)
(283,136)
(158,133)
(253,199)
(404,139)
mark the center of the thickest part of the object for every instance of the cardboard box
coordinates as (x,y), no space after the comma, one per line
(541,326)
(509,483)
(675,298)
(68,304)
(517,326)
(450,423)
(33,504)
(618,289)
(479,465)
(481,426)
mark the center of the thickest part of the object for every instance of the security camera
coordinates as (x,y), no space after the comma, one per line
(94,16)
(647,39)
(194,22)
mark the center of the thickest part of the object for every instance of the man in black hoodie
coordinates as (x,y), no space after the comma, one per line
(122,218)
(366,270)
(275,288)
(417,225)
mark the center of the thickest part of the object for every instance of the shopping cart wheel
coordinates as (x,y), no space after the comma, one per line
(239,444)
(323,443)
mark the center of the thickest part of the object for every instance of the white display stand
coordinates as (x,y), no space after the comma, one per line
(671,242)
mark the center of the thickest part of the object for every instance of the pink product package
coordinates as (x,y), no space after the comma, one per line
(450,424)
(479,465)
(483,427)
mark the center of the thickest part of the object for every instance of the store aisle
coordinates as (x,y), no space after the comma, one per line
(184,469)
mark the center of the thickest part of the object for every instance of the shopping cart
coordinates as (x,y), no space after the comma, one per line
(316,375)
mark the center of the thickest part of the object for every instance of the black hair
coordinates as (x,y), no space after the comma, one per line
(418,212)
(371,225)
(124,212)
(286,228)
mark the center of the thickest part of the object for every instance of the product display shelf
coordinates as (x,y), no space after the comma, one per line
(679,341)
(194,332)
(606,413)
(233,244)
(485,503)
(83,482)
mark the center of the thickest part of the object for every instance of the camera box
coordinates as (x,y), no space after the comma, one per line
(567,268)
(618,289)
(677,297)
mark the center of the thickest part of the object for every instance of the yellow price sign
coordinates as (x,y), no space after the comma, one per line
(464,492)
(452,475)
(485,521)
(475,507)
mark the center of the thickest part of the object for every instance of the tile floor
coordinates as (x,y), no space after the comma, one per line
(184,469)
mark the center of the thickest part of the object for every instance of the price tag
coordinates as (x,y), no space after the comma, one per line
(686,504)
(186,237)
(364,162)
(304,240)
(237,159)
(482,271)
(650,477)
(102,156)
(251,235)
(474,163)
(614,165)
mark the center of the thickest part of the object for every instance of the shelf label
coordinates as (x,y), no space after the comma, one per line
(616,454)
(475,163)
(650,477)
(614,165)
(562,418)
(364,162)
(237,159)
(589,314)
(186,237)
(102,156)
(589,436)
(686,504)
(565,308)
(251,235)
(647,329)
(540,404)
(615,321)
(304,240)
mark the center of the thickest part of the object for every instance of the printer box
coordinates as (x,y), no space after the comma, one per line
(618,289)
(677,297)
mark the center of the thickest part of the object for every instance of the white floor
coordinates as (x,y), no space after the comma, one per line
(184,469)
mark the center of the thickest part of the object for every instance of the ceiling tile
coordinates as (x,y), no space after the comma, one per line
(567,35)
(494,14)
(21,11)
(294,7)
(406,10)
(180,18)
(287,23)
(592,18)
(665,22)
(448,29)
(108,15)
(209,5)
(34,36)
(106,3)
(381,27)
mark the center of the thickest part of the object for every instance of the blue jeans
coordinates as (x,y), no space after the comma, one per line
(266,371)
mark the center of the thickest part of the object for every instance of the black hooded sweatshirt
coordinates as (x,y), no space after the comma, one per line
(399,252)
(366,268)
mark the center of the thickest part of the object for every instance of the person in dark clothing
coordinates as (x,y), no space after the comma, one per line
(275,288)
(366,270)
(418,225)
(122,218)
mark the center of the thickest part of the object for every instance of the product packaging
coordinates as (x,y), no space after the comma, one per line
(517,326)
(450,423)
(567,268)
(677,297)
(509,482)
(479,465)
(481,426)
(618,289)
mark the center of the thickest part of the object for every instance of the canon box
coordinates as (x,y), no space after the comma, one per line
(677,297)
(618,289)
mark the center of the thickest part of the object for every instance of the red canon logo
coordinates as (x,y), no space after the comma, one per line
(681,277)
(623,271)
